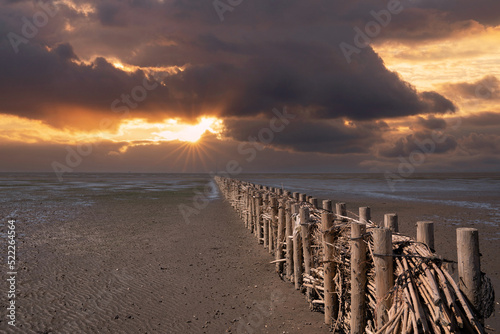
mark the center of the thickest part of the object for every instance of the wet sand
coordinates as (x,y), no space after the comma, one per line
(129,263)
(134,266)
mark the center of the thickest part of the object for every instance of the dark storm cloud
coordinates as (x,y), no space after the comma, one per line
(430,20)
(36,81)
(108,14)
(432,123)
(419,142)
(301,135)
(476,143)
(270,54)
(483,120)
(482,11)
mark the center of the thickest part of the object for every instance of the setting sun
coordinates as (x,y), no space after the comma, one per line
(131,130)
(190,133)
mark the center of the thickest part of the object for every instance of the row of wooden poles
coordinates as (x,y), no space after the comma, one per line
(280,221)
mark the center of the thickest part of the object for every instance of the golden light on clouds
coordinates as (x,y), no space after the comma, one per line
(172,129)
(17,129)
(467,57)
(80,7)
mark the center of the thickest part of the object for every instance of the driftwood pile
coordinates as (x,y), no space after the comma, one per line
(365,278)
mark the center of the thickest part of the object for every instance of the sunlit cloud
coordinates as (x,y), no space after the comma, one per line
(84,8)
(171,70)
(466,57)
(134,131)
(172,129)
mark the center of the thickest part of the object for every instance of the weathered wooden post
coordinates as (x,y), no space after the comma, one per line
(258,204)
(289,241)
(239,198)
(280,240)
(255,210)
(297,254)
(296,196)
(266,221)
(341,210)
(365,214)
(327,205)
(314,202)
(384,280)
(425,233)
(469,265)
(247,204)
(302,197)
(358,278)
(327,224)
(391,221)
(252,210)
(273,224)
(306,244)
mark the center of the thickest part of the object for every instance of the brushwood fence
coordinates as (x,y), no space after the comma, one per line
(365,277)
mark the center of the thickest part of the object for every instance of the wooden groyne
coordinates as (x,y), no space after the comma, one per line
(365,277)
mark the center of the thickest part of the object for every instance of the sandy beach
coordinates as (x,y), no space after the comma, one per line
(128,262)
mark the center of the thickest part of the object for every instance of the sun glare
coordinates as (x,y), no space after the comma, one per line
(132,130)
(169,130)
(190,133)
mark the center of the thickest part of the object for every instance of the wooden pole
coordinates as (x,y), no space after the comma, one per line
(341,210)
(469,266)
(358,278)
(391,221)
(255,209)
(384,280)
(302,197)
(329,267)
(266,224)
(238,194)
(297,255)
(306,244)
(252,210)
(425,233)
(314,202)
(258,220)
(365,214)
(327,205)
(296,196)
(273,224)
(247,206)
(289,241)
(280,240)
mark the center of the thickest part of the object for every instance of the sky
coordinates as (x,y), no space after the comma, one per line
(393,87)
